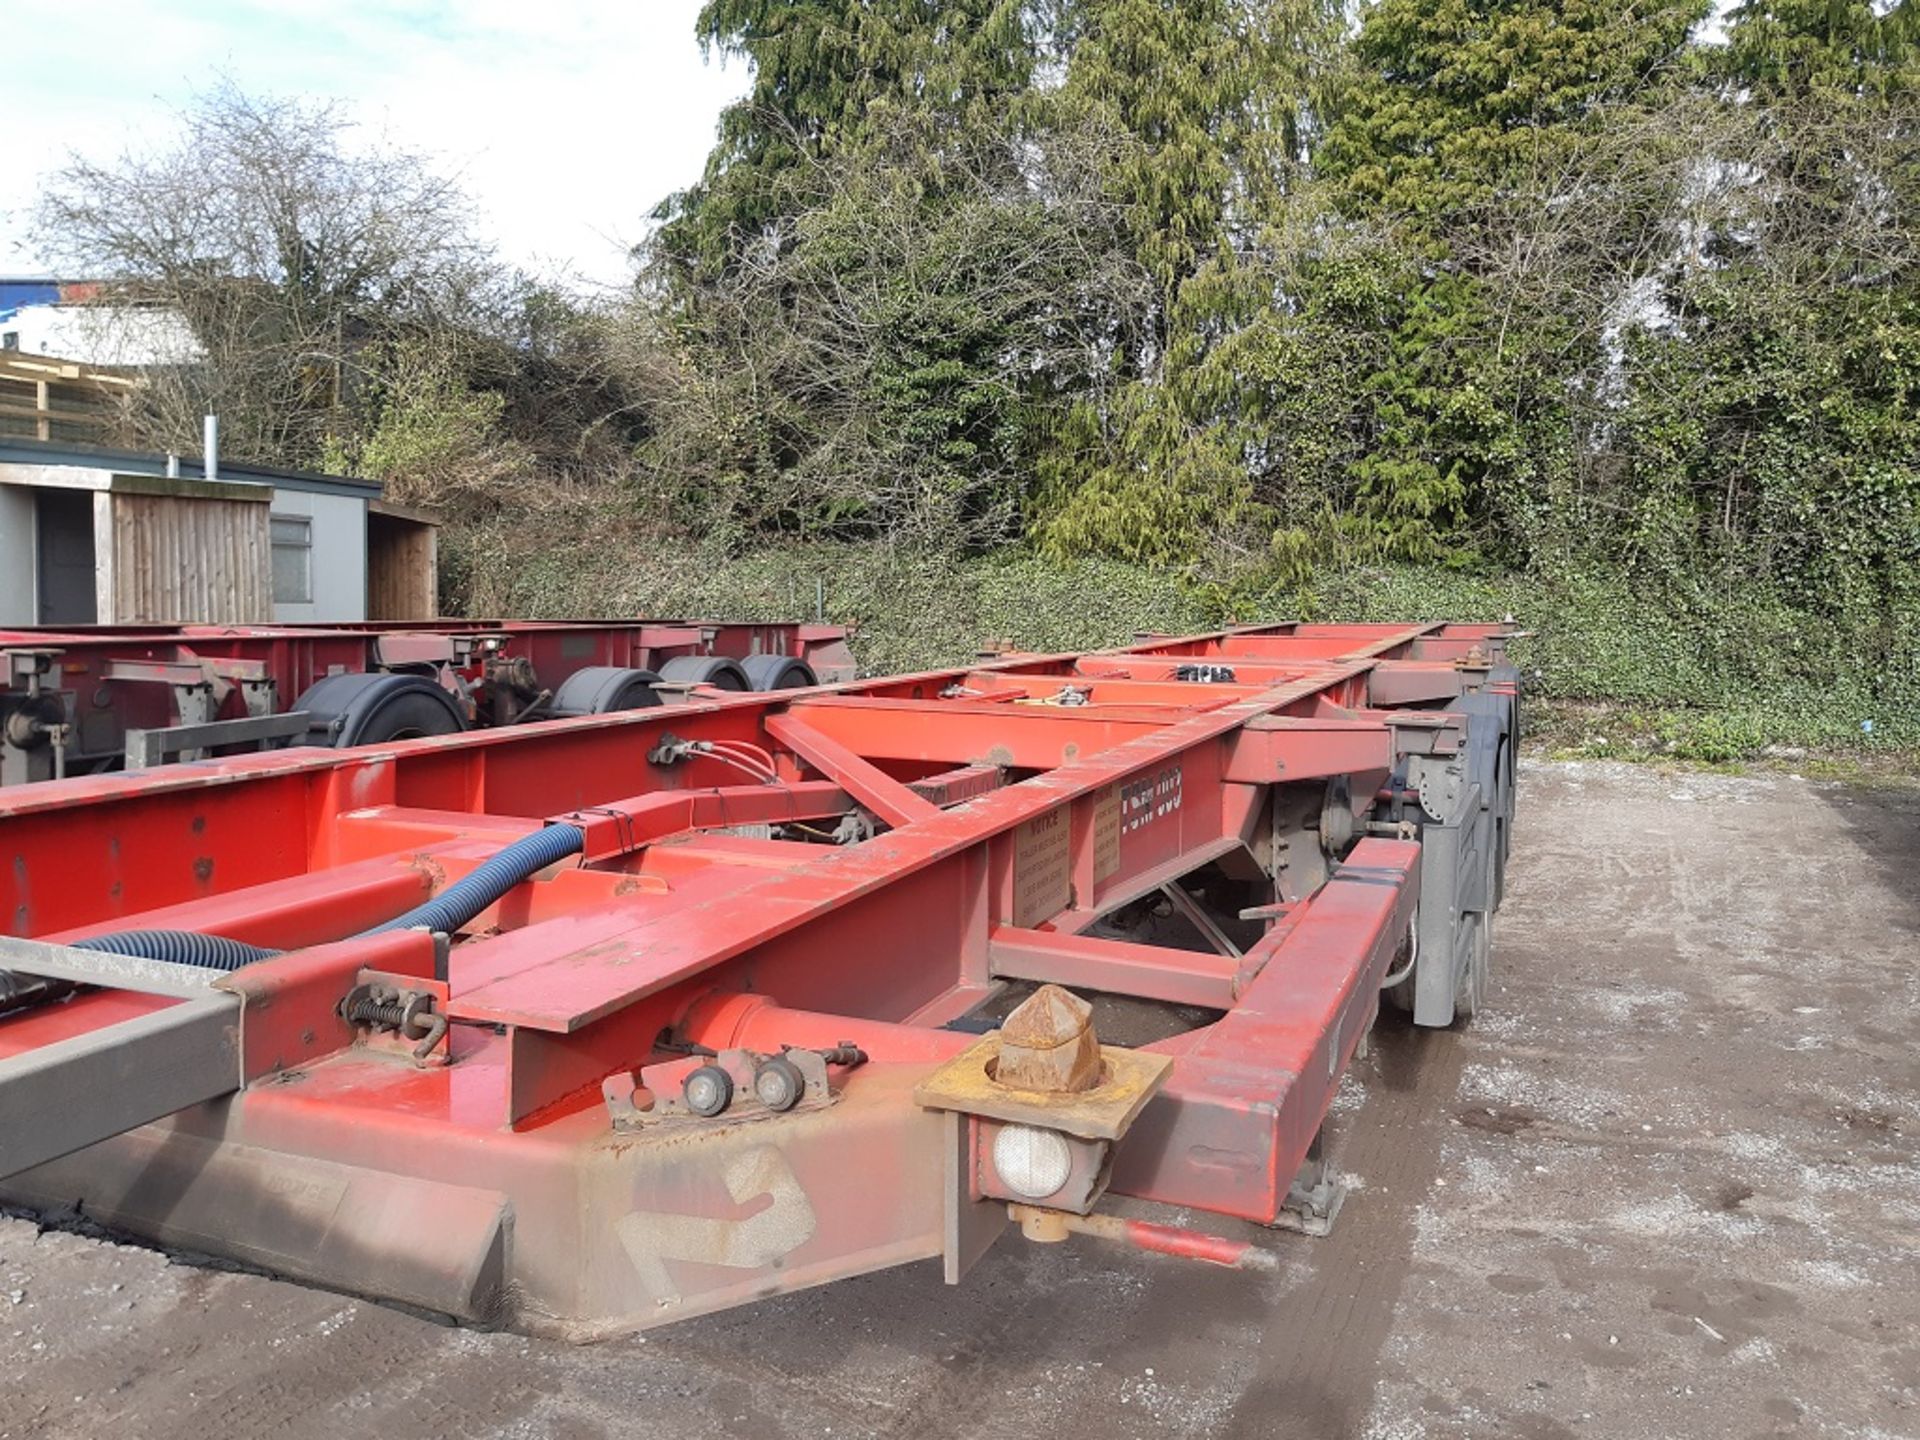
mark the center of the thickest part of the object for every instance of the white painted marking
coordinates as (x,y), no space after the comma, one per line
(753,1243)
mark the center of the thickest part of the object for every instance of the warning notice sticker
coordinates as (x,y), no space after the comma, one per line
(1106,833)
(1042,868)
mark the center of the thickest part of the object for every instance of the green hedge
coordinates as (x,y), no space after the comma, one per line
(1709,676)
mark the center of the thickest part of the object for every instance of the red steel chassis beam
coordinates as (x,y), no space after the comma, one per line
(1015,802)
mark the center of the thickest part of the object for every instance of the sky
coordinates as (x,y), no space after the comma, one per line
(567,121)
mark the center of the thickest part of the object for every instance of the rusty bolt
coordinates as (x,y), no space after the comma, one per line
(1048,1044)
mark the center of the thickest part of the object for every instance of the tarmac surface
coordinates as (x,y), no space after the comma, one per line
(1668,1185)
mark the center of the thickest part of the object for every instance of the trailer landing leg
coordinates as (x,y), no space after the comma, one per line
(1316,1195)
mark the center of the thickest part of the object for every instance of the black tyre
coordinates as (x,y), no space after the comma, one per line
(1470,987)
(778,672)
(1400,997)
(605,689)
(715,670)
(1503,820)
(373,709)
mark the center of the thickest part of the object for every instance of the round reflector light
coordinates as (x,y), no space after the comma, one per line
(1030,1161)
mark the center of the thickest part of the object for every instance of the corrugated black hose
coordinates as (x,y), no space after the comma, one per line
(446,912)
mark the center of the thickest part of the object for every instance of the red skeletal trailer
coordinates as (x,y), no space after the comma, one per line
(73,701)
(727,1029)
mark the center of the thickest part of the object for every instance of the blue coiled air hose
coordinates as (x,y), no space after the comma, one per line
(181,947)
(446,912)
(464,899)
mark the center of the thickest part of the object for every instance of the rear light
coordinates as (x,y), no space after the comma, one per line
(1030,1161)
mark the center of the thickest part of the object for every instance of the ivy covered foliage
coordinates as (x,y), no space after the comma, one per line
(1583,293)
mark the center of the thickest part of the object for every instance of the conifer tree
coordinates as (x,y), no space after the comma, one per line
(820,67)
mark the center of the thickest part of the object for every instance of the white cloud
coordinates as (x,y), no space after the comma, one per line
(567,121)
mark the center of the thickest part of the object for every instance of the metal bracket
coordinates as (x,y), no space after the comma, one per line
(667,1110)
(1128,1080)
(147,748)
(25,668)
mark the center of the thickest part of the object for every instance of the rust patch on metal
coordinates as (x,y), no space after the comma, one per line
(430,870)
(1128,1079)
(1048,1044)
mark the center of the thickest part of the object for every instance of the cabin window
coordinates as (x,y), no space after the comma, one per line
(292,560)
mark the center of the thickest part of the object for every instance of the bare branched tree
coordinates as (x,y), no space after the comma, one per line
(287,244)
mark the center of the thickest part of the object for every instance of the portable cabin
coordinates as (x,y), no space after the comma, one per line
(92,536)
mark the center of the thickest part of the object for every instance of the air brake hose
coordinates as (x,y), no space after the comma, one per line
(446,912)
(498,874)
(181,947)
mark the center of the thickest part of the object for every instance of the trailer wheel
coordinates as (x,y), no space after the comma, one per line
(1502,821)
(604,690)
(778,672)
(1399,996)
(715,670)
(369,708)
(1470,986)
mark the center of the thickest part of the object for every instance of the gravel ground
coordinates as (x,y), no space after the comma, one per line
(1667,1186)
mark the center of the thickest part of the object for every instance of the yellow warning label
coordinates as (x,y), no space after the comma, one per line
(1106,833)
(1042,868)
